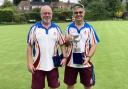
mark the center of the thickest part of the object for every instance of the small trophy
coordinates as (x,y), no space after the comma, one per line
(76,39)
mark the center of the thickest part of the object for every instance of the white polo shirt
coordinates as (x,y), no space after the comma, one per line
(87,38)
(44,42)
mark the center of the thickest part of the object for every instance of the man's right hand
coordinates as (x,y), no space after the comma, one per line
(69,38)
(63,62)
(31,68)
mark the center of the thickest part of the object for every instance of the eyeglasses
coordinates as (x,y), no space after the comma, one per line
(47,13)
(80,12)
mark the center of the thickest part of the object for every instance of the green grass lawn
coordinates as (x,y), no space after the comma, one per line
(110,60)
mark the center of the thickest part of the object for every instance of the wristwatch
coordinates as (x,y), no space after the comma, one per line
(88,56)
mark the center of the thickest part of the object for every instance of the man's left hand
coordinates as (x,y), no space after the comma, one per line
(86,60)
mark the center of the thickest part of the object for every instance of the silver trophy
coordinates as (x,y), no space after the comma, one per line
(76,39)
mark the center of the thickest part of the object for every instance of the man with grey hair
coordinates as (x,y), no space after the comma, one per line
(81,39)
(43,39)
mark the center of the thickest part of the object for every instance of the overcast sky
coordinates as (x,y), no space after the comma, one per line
(1,2)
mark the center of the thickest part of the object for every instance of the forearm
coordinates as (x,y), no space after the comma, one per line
(90,54)
(63,49)
(30,65)
(92,51)
(29,54)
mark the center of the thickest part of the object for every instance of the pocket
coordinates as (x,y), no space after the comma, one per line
(78,58)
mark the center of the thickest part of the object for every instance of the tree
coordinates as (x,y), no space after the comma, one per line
(86,2)
(7,4)
(16,2)
(51,1)
(97,10)
(36,0)
(127,6)
(36,10)
(108,8)
(113,6)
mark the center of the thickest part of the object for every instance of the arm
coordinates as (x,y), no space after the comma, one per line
(30,59)
(67,47)
(90,54)
(93,41)
(63,49)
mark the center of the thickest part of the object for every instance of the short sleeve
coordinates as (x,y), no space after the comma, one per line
(31,35)
(93,37)
(67,31)
(61,39)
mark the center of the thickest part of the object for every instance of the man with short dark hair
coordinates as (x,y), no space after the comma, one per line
(82,41)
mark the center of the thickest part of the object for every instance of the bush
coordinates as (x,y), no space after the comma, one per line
(127,6)
(18,18)
(125,15)
(62,15)
(34,16)
(119,14)
(67,15)
(56,16)
(96,11)
(6,16)
(36,10)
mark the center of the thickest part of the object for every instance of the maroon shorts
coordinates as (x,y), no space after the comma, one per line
(86,76)
(38,79)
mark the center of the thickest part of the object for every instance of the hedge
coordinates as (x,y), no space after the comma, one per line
(6,15)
